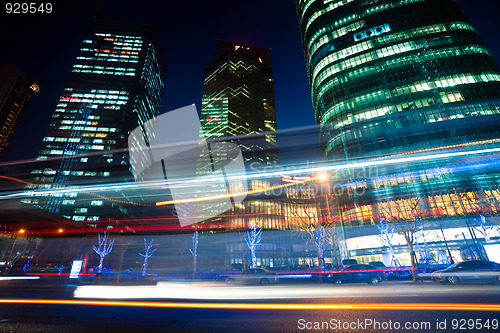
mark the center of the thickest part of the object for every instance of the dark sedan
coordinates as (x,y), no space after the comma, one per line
(469,271)
(358,274)
(253,276)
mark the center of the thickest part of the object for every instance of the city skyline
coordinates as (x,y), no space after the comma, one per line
(387,114)
(184,81)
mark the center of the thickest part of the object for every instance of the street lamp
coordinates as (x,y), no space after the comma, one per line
(323,177)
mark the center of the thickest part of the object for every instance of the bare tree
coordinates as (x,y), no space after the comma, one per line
(303,210)
(253,239)
(472,204)
(407,218)
(38,253)
(387,233)
(484,229)
(194,251)
(148,253)
(332,235)
(104,248)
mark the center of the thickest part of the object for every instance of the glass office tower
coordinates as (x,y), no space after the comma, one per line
(403,78)
(378,69)
(115,85)
(238,101)
(15,92)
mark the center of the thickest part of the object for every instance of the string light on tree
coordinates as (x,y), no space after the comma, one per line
(105,248)
(253,239)
(148,253)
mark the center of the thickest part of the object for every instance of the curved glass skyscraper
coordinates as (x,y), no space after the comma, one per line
(388,76)
(404,78)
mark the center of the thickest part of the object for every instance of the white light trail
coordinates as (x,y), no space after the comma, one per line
(256,175)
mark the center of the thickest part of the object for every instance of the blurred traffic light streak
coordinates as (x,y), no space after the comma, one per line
(267,306)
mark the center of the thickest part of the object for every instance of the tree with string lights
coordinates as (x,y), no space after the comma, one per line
(427,258)
(315,227)
(194,251)
(387,233)
(406,216)
(484,229)
(148,253)
(105,247)
(253,239)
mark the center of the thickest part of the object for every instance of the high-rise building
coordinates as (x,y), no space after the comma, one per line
(387,76)
(404,78)
(115,85)
(238,101)
(15,92)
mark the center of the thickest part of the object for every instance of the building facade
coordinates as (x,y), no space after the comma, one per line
(115,85)
(238,101)
(396,75)
(392,78)
(15,92)
(405,79)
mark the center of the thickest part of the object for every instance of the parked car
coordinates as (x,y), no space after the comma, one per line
(348,262)
(378,264)
(282,268)
(237,267)
(469,271)
(253,276)
(358,274)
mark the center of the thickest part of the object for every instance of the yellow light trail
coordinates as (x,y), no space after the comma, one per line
(458,145)
(266,306)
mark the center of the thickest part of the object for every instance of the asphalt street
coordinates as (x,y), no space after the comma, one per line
(48,306)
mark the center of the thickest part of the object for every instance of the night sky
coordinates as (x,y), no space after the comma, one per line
(45,46)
